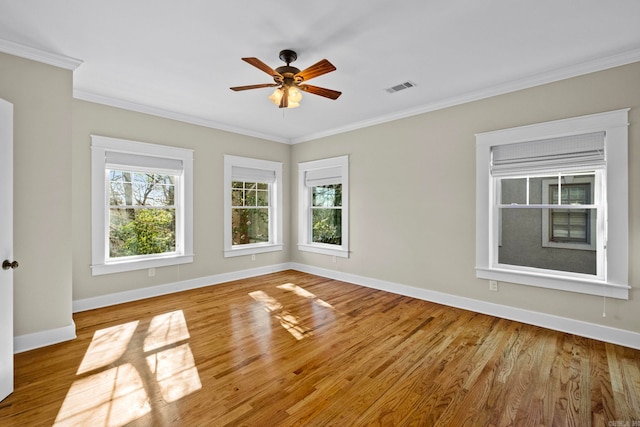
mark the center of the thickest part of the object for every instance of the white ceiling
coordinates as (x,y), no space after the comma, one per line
(179,58)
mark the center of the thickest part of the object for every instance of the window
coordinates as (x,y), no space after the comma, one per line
(551,205)
(573,228)
(253,206)
(141,205)
(323,190)
(326,214)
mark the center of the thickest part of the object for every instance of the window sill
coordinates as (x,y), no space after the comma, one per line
(257,248)
(572,246)
(570,284)
(324,249)
(139,264)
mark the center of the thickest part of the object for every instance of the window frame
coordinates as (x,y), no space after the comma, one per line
(305,213)
(101,263)
(614,282)
(275,242)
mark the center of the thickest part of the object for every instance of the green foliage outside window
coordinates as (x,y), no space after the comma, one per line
(250,212)
(327,214)
(142,215)
(142,232)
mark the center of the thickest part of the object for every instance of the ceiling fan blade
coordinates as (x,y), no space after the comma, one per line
(237,88)
(262,66)
(327,93)
(317,69)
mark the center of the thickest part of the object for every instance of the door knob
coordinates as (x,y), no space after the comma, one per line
(6,264)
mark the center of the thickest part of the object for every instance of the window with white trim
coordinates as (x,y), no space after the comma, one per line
(141,212)
(323,193)
(551,205)
(252,207)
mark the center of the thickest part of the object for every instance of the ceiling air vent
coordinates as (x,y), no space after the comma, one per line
(401,86)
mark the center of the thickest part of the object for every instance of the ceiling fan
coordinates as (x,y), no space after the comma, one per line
(290,80)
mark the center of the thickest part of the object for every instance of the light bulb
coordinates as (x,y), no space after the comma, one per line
(293,96)
(276,96)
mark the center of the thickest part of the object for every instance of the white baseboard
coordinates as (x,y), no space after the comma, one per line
(557,323)
(169,288)
(562,324)
(35,340)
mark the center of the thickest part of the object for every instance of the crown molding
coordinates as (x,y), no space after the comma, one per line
(550,76)
(159,112)
(39,55)
(538,79)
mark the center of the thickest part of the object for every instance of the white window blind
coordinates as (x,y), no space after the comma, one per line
(244,174)
(575,152)
(127,161)
(324,176)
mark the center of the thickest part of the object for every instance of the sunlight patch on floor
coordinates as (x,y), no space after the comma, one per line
(107,346)
(113,397)
(175,372)
(123,374)
(289,322)
(304,293)
(166,329)
(270,303)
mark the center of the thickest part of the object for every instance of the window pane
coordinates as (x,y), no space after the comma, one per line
(327,195)
(127,188)
(237,197)
(262,198)
(141,231)
(250,197)
(521,239)
(249,226)
(514,191)
(327,226)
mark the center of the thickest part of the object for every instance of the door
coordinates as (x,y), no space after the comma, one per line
(6,249)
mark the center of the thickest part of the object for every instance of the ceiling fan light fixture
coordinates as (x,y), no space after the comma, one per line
(294,96)
(276,96)
(289,80)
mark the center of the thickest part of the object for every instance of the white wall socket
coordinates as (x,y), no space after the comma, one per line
(493,285)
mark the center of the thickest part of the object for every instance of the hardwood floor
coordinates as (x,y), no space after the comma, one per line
(296,349)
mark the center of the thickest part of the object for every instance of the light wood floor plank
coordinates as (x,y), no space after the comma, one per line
(293,349)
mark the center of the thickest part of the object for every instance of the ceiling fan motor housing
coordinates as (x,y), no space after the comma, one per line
(287,71)
(288,56)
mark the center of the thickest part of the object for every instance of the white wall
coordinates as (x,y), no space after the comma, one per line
(412,186)
(41,95)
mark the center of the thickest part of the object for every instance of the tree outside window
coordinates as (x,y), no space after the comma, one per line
(142,213)
(250,212)
(326,211)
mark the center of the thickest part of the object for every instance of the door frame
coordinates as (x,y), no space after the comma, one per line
(6,249)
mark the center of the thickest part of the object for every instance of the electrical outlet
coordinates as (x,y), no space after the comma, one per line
(152,272)
(335,259)
(493,285)
(253,257)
